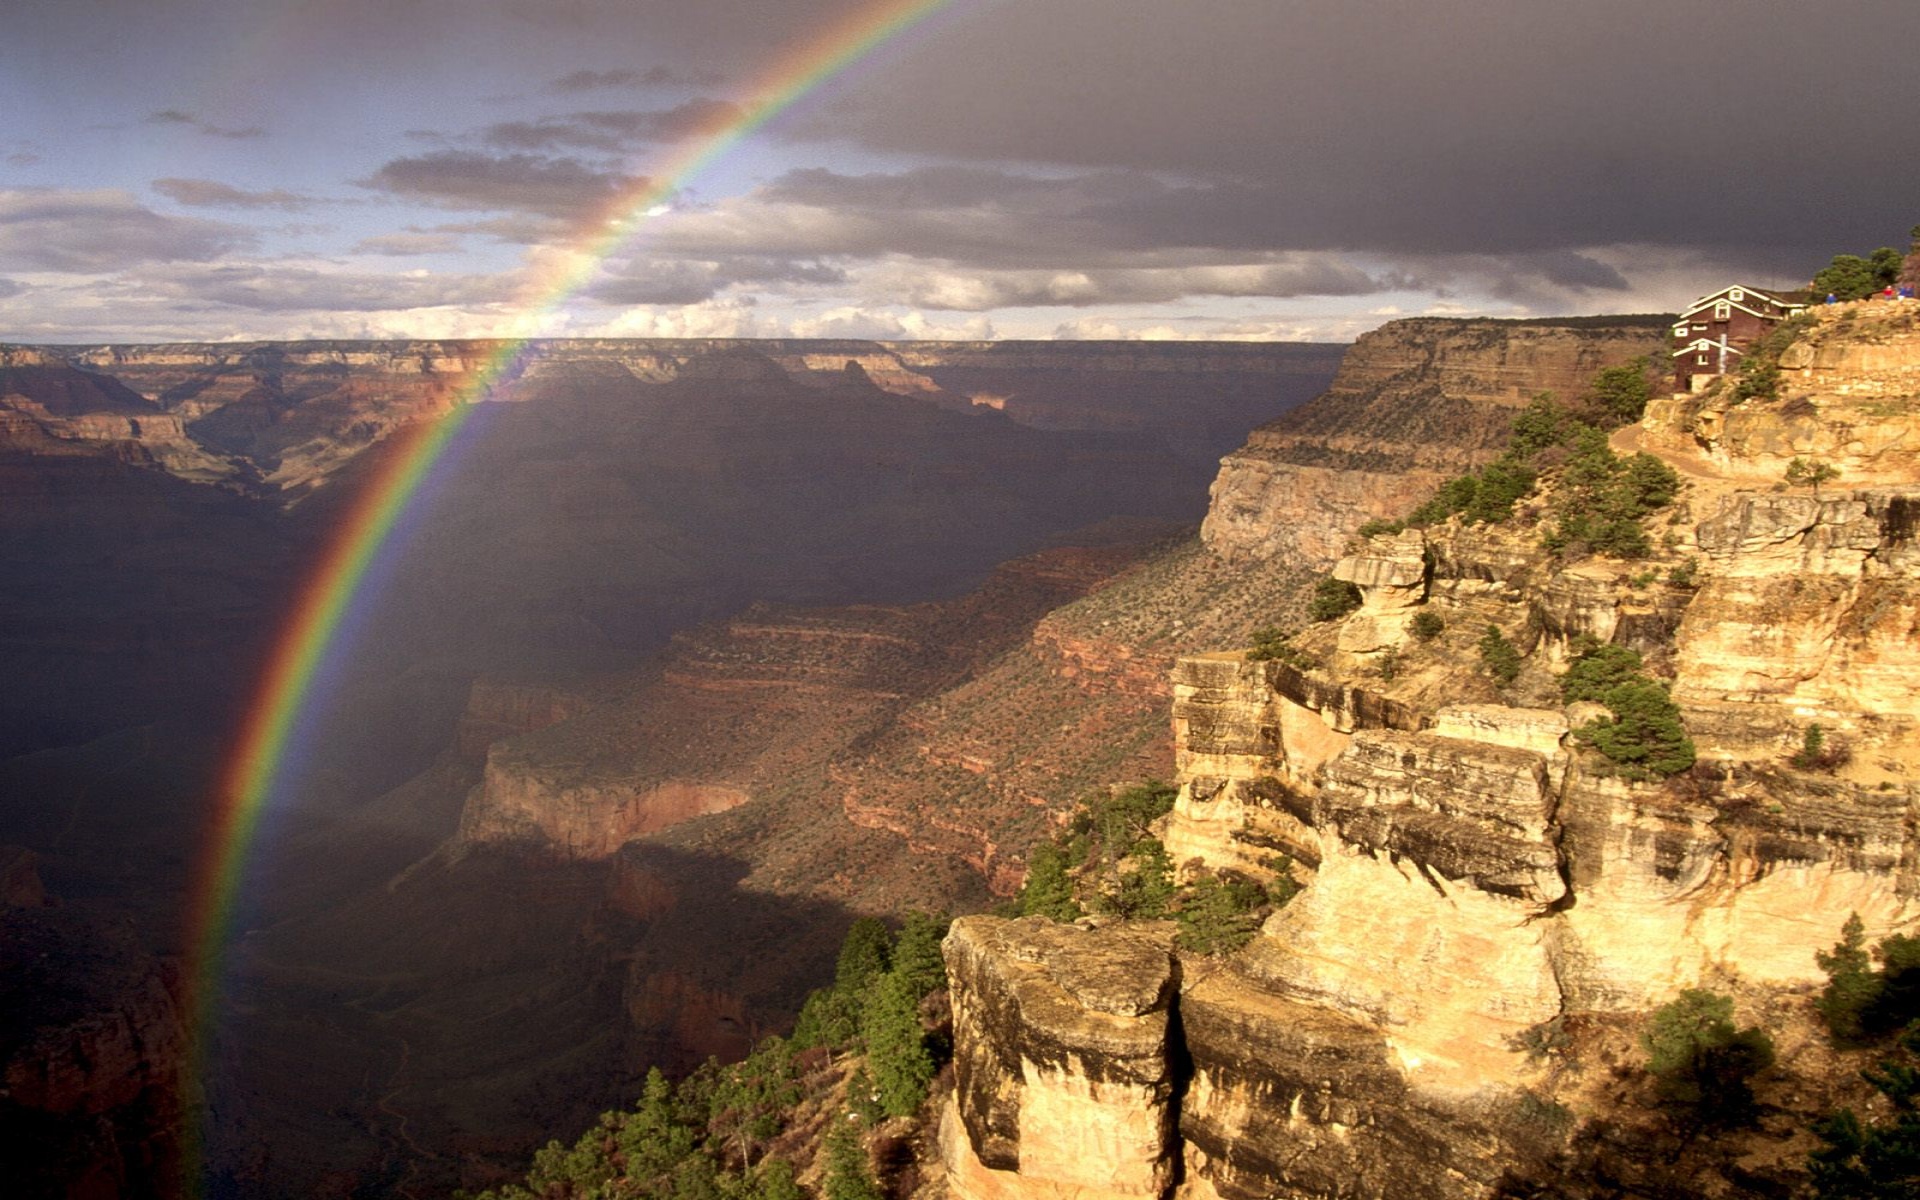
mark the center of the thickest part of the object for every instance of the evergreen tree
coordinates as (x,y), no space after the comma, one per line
(775,1181)
(1701,1060)
(848,1175)
(865,952)
(1499,656)
(1048,891)
(896,1046)
(916,953)
(1851,982)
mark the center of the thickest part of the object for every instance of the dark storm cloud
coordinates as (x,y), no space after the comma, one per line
(562,188)
(10,287)
(614,132)
(622,78)
(1461,126)
(208,193)
(91,231)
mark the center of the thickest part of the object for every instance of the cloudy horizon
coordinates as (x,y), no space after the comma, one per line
(226,169)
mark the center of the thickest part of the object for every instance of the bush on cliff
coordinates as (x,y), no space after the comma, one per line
(1620,393)
(1499,656)
(1701,1061)
(1861,1003)
(1603,498)
(1875,1159)
(1333,599)
(1644,736)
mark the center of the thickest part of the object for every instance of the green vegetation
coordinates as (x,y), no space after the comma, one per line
(1376,527)
(1818,752)
(1274,644)
(1499,656)
(1622,392)
(1758,377)
(1427,625)
(1108,860)
(1851,277)
(1597,669)
(848,1175)
(1701,1061)
(1860,1003)
(1806,472)
(1603,498)
(709,1137)
(1333,599)
(1644,736)
(1875,1159)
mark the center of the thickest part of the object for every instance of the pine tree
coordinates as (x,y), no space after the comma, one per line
(848,1176)
(896,1046)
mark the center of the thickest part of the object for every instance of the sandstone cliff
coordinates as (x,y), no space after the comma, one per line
(1481,884)
(1414,402)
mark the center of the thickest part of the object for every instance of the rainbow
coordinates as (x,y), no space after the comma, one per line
(354,557)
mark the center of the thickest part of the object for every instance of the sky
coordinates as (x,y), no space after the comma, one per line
(1250,169)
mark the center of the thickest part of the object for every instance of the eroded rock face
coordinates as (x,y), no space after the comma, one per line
(1415,402)
(1476,872)
(1063,1066)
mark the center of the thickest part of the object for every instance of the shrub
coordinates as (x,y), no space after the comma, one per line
(1597,669)
(1141,888)
(1621,393)
(1498,655)
(1427,625)
(1852,984)
(1701,1061)
(1644,736)
(1684,574)
(1861,1003)
(1333,599)
(1603,498)
(1377,526)
(1876,1159)
(1048,890)
(848,1176)
(1274,644)
(1803,472)
(1219,914)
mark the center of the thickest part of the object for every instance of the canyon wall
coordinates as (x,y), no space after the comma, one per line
(1478,883)
(1415,401)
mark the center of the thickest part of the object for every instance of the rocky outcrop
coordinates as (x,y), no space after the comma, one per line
(1845,399)
(1063,1068)
(1415,401)
(1479,878)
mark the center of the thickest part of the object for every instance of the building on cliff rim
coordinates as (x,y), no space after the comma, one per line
(1715,330)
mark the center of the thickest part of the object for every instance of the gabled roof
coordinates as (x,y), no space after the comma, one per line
(1699,344)
(1783,299)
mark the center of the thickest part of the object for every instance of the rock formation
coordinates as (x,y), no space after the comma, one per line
(1414,402)
(1476,874)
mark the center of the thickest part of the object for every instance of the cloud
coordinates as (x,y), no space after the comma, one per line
(680,281)
(286,288)
(174,116)
(413,242)
(208,193)
(22,158)
(10,287)
(553,187)
(106,230)
(590,81)
(614,132)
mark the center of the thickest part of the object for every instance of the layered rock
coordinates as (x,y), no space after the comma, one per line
(1063,1071)
(1478,875)
(1415,401)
